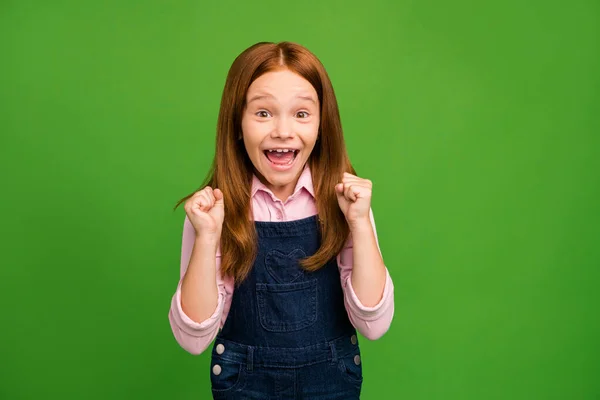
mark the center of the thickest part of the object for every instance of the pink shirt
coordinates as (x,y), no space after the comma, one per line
(194,337)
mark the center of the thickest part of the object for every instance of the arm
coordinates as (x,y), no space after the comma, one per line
(199,301)
(368,287)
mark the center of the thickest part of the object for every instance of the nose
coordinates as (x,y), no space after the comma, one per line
(283,128)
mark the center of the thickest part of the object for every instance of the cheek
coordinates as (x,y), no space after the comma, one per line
(252,137)
(310,134)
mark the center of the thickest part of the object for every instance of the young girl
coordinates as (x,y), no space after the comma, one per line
(280,263)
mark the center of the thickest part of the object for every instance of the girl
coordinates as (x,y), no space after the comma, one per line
(280,263)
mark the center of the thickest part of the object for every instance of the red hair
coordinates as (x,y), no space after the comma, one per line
(232,170)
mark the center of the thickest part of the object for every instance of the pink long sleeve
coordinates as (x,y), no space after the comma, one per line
(192,336)
(371,322)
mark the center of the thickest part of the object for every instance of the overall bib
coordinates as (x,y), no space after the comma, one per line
(287,334)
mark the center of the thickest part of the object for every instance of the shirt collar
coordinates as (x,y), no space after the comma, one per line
(304,181)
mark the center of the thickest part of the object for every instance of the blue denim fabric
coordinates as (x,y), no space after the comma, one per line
(287,334)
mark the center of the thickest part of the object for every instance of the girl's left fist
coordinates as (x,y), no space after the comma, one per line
(354,198)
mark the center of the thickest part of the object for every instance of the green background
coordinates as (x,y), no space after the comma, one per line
(476,121)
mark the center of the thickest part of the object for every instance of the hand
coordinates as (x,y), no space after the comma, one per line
(206,212)
(354,198)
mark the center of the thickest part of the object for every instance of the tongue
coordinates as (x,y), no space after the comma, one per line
(280,157)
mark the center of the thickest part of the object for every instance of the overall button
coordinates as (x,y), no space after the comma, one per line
(220,348)
(216,369)
(357,359)
(353,339)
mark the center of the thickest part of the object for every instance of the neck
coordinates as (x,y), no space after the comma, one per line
(282,192)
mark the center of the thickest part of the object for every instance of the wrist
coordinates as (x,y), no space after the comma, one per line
(360,225)
(209,241)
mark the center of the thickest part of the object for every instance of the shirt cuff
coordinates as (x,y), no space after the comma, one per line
(374,312)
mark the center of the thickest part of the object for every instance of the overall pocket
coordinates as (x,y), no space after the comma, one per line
(225,376)
(351,368)
(286,307)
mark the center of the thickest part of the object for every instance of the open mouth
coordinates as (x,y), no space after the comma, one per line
(281,157)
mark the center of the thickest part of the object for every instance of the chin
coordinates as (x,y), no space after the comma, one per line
(275,180)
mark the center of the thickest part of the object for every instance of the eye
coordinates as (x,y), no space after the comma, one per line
(302,114)
(262,114)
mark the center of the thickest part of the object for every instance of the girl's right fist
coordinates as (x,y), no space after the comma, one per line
(206,211)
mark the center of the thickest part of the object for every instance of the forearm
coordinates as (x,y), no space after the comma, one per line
(368,272)
(199,291)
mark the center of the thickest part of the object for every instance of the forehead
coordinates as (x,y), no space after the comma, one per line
(281,84)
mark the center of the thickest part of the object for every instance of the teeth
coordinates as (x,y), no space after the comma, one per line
(280,150)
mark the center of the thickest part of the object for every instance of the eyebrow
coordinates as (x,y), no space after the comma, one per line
(268,96)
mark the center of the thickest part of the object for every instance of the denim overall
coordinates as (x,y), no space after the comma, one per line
(287,334)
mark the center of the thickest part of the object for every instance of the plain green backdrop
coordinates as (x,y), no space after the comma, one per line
(478,123)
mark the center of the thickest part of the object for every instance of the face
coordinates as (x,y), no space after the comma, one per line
(280,126)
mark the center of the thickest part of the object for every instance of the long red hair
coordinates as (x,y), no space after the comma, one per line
(232,170)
